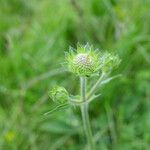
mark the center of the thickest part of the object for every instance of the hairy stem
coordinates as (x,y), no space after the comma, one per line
(85,115)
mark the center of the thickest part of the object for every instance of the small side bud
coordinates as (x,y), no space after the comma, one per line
(59,95)
(109,62)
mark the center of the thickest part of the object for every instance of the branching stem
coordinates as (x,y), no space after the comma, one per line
(93,89)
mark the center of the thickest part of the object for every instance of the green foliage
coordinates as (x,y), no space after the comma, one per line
(33,38)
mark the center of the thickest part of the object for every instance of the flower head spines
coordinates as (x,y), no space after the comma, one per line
(84,48)
(84,62)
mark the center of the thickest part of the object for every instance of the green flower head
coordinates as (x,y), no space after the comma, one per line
(84,61)
(109,62)
(59,95)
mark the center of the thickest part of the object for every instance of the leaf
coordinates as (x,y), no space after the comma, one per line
(111,78)
(57,108)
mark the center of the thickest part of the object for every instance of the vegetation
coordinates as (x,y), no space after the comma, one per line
(34,35)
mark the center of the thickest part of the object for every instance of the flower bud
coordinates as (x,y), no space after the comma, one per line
(84,62)
(109,62)
(59,95)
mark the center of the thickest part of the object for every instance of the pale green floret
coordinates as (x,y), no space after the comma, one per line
(84,61)
(84,64)
(59,95)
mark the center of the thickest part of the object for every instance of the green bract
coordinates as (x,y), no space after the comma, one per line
(59,94)
(83,62)
(108,62)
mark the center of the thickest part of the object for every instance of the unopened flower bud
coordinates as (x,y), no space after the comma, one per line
(109,62)
(84,62)
(59,95)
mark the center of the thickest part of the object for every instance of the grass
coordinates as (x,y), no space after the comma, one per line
(33,38)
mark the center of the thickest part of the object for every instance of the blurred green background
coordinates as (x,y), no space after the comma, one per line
(34,34)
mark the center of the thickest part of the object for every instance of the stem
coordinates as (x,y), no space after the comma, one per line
(85,115)
(92,91)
